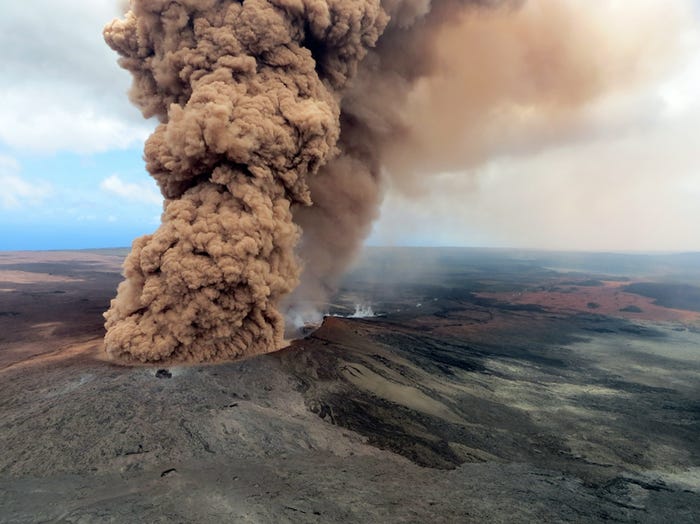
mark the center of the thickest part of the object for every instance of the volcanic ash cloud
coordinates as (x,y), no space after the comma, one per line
(246,96)
(279,116)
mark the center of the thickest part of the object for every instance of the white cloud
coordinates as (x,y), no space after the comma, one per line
(17,192)
(679,93)
(634,192)
(8,165)
(62,124)
(61,87)
(134,191)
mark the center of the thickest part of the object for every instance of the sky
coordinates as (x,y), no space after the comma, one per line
(72,174)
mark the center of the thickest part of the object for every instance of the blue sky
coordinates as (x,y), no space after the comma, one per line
(64,199)
(72,200)
(71,168)
(72,175)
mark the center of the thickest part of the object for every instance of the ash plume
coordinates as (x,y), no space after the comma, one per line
(247,98)
(283,116)
(452,84)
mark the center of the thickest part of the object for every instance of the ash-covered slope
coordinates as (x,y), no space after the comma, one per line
(597,407)
(461,410)
(287,438)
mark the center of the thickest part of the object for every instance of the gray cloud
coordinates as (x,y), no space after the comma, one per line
(58,82)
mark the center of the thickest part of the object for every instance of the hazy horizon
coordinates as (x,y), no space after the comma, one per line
(435,247)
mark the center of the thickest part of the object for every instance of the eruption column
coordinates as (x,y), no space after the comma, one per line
(246,96)
(283,115)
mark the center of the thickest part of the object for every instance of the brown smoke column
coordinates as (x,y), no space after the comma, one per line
(277,114)
(451,84)
(247,112)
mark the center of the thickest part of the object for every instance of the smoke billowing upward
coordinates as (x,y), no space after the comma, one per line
(283,120)
(246,93)
(449,85)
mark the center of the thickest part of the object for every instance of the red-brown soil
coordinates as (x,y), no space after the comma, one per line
(608,299)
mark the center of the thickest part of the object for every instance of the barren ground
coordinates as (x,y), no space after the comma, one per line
(490,389)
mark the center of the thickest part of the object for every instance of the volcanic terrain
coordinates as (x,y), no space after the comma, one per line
(493,386)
